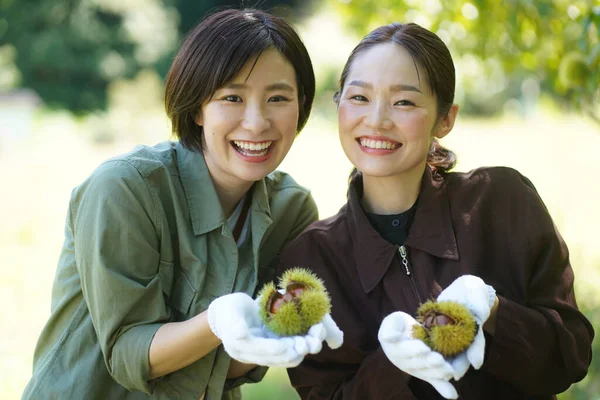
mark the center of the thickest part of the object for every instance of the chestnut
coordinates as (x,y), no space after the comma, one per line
(301,302)
(447,327)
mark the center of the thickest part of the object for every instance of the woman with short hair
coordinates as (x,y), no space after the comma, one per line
(166,245)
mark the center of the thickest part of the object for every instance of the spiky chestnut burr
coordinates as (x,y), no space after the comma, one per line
(301,302)
(446,327)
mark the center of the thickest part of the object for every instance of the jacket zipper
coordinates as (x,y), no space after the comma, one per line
(404,256)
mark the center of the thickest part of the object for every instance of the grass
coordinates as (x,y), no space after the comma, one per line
(39,171)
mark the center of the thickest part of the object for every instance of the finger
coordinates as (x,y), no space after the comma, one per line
(444,388)
(476,352)
(402,321)
(318,331)
(389,335)
(433,361)
(389,330)
(300,345)
(334,335)
(315,344)
(424,366)
(432,369)
(259,345)
(412,348)
(460,365)
(288,360)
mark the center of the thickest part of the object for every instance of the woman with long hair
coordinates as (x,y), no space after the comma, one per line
(412,231)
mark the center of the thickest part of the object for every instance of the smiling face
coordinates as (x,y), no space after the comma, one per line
(250,123)
(387,113)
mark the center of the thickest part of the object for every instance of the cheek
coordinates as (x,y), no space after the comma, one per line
(218,119)
(287,120)
(418,124)
(347,117)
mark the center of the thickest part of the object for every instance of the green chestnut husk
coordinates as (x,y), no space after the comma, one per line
(303,303)
(447,327)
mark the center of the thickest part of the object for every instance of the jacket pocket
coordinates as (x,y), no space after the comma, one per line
(177,287)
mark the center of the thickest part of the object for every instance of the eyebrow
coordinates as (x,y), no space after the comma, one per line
(271,87)
(395,88)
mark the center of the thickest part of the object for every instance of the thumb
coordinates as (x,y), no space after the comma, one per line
(395,326)
(460,366)
(335,336)
(238,330)
(476,352)
(444,388)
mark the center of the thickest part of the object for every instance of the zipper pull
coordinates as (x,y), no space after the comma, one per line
(404,254)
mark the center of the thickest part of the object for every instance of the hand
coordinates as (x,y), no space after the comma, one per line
(234,318)
(479,298)
(413,356)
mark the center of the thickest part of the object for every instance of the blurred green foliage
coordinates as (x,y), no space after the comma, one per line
(69,51)
(504,49)
(507,53)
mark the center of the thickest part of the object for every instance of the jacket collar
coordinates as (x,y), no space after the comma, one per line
(431,230)
(206,213)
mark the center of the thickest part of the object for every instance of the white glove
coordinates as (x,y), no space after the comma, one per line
(326,330)
(333,335)
(479,298)
(413,356)
(235,319)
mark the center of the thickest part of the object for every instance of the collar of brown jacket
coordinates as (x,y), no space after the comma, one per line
(431,230)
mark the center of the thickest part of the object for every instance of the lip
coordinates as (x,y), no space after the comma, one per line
(252,141)
(380,152)
(254,159)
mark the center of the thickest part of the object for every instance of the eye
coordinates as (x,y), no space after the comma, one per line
(404,103)
(232,98)
(277,99)
(358,97)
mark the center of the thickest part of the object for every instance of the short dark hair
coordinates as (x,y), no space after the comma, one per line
(431,54)
(215,51)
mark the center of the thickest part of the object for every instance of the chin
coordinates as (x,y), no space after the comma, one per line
(377,173)
(377,170)
(254,174)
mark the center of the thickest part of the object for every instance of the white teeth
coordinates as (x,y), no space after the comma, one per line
(377,144)
(252,145)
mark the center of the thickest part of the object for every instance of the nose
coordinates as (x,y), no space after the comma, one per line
(379,116)
(255,119)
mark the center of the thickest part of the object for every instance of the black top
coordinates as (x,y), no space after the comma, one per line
(394,227)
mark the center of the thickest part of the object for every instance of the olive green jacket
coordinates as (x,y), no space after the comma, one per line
(147,243)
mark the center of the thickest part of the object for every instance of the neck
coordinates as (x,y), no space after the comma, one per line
(391,194)
(230,195)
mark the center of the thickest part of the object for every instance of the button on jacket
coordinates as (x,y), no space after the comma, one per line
(147,243)
(490,223)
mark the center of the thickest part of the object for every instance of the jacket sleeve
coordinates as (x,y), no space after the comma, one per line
(116,248)
(546,336)
(340,373)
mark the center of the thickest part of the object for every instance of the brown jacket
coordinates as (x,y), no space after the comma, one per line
(490,223)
